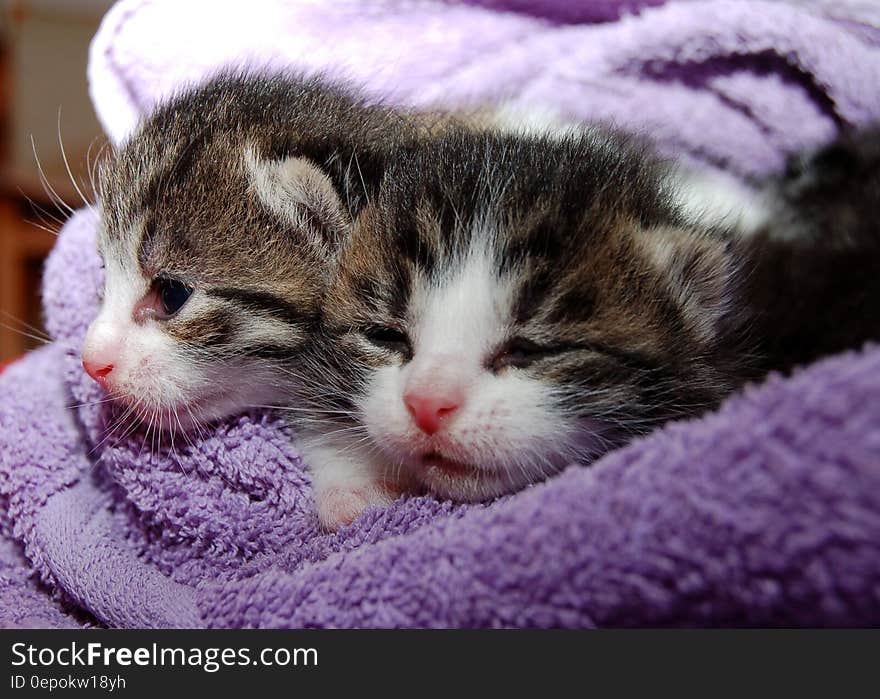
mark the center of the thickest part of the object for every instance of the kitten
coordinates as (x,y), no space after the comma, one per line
(220,218)
(813,285)
(509,305)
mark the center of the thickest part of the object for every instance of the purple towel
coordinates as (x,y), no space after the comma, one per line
(766,512)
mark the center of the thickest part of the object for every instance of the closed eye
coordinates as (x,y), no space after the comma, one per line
(390,339)
(520,352)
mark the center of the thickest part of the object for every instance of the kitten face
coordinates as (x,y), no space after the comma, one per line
(509,306)
(208,293)
(218,234)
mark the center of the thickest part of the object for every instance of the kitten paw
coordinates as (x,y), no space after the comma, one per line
(338,507)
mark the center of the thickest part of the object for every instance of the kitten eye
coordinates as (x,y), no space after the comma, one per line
(172,295)
(518,352)
(390,339)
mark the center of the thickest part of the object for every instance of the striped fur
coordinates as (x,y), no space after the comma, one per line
(478,244)
(572,298)
(242,190)
(341,255)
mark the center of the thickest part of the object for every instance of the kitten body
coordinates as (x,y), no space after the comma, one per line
(508,305)
(813,284)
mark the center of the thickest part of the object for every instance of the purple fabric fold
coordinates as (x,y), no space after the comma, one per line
(766,512)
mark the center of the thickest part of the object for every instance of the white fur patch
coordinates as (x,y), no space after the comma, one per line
(521,121)
(464,314)
(146,366)
(713,199)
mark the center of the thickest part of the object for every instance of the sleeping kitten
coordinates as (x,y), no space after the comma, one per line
(220,218)
(509,305)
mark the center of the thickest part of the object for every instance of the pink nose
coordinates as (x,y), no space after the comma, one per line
(430,409)
(97,370)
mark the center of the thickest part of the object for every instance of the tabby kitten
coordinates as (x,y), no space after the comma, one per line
(509,305)
(220,220)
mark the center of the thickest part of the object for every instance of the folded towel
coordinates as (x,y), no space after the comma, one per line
(766,512)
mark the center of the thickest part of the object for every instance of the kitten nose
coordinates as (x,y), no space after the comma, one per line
(97,370)
(430,409)
(102,350)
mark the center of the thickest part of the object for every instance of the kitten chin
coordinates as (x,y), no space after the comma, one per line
(506,471)
(509,305)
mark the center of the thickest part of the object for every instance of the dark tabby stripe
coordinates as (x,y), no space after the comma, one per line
(263,302)
(212,329)
(271,351)
(178,172)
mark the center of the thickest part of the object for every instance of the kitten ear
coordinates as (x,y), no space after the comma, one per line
(302,195)
(699,271)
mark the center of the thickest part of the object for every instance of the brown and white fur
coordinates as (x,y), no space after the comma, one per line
(221,217)
(508,305)
(444,309)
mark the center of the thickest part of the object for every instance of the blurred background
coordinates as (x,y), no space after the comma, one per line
(43,55)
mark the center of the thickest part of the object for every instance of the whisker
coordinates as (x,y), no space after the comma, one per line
(91,403)
(67,166)
(23,333)
(33,328)
(47,186)
(110,430)
(39,209)
(40,226)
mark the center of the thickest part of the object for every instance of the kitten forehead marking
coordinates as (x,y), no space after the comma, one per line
(465,305)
